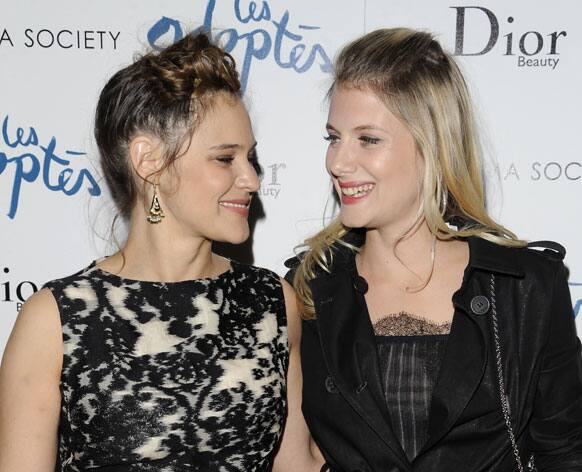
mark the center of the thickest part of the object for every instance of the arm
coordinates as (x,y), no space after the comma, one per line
(556,426)
(29,388)
(298,451)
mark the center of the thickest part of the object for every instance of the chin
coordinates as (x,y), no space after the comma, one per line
(353,220)
(235,236)
(240,240)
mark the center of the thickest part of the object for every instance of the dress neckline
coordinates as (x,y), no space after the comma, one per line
(94,268)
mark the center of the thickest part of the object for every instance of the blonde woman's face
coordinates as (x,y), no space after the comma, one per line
(373,161)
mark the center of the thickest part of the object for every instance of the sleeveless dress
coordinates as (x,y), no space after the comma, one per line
(171,377)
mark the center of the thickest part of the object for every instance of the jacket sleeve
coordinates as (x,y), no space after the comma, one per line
(555,432)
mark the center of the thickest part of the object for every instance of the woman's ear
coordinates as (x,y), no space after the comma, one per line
(145,155)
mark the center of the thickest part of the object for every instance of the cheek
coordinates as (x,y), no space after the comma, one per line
(328,160)
(380,165)
(206,181)
(413,171)
(398,169)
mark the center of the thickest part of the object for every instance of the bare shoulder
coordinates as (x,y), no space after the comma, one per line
(293,315)
(39,313)
(43,299)
(36,335)
(29,387)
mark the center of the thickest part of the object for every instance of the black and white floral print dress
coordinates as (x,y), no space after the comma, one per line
(171,377)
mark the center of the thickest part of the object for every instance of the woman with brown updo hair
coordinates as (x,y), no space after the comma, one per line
(164,356)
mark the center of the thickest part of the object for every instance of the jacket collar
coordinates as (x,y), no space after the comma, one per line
(483,255)
(491,257)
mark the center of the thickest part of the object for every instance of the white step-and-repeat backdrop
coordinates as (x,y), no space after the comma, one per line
(521,58)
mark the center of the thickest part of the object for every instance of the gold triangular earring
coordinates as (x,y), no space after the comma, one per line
(156,213)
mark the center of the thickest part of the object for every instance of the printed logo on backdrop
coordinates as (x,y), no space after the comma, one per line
(542,171)
(59,39)
(15,291)
(529,47)
(259,33)
(271,180)
(25,159)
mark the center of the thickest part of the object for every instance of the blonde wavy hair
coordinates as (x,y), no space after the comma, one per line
(423,86)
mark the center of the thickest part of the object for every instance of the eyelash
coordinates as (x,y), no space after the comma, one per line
(369,140)
(253,158)
(332,139)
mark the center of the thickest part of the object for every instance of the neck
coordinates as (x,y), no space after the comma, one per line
(161,252)
(385,254)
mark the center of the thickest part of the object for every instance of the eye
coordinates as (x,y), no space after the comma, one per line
(369,140)
(331,138)
(225,159)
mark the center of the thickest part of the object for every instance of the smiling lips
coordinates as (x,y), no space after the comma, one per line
(354,192)
(240,206)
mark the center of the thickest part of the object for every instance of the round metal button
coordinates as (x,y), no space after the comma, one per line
(330,385)
(480,305)
(360,284)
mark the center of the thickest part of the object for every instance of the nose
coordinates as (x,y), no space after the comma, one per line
(340,161)
(247,178)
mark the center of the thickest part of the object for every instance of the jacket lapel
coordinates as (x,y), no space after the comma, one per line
(468,346)
(462,367)
(349,349)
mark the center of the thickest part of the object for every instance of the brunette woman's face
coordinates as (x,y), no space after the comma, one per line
(208,191)
(373,161)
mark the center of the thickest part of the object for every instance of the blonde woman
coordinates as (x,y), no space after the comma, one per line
(433,338)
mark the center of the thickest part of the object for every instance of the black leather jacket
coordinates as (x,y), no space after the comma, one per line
(343,402)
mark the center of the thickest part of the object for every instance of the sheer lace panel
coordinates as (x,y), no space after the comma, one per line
(406,324)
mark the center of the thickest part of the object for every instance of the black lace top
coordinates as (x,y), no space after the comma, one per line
(410,351)
(173,377)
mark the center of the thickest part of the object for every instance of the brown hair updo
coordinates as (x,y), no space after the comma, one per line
(164,94)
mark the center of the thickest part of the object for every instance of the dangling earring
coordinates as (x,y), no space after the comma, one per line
(156,212)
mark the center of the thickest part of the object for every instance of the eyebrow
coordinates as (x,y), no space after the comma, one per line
(358,128)
(229,146)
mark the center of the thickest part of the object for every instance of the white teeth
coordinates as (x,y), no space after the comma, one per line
(235,205)
(357,191)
